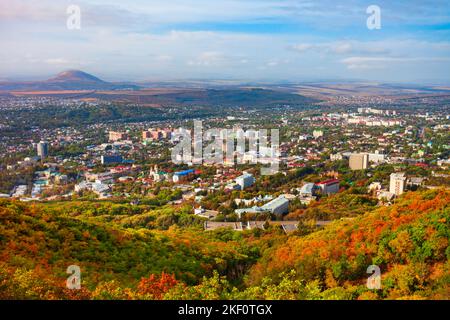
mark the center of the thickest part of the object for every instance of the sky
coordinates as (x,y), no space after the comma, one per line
(250,40)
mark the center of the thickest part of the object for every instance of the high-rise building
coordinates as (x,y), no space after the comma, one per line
(42,149)
(397,183)
(359,161)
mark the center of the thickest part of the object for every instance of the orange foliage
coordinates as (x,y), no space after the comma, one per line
(344,241)
(157,286)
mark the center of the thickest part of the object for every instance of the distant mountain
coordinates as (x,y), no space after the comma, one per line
(75,76)
(67,80)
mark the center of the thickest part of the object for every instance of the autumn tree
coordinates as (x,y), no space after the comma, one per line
(156,286)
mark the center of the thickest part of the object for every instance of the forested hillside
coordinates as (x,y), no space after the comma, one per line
(408,241)
(124,252)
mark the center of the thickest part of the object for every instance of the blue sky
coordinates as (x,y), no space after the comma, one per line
(258,40)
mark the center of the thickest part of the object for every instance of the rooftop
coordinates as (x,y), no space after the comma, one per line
(331,181)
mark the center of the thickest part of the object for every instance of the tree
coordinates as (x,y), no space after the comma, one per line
(156,286)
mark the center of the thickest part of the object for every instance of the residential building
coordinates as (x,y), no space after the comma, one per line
(336,157)
(210,214)
(117,136)
(245,181)
(329,186)
(83,185)
(377,157)
(111,159)
(397,183)
(146,135)
(385,195)
(104,177)
(101,189)
(414,182)
(42,149)
(374,186)
(183,175)
(278,205)
(309,190)
(359,161)
(157,134)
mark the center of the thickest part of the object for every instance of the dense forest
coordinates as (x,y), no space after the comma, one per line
(140,252)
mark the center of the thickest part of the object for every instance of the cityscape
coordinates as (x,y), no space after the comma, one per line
(320,189)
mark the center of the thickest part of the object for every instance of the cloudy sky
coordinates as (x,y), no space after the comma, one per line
(269,40)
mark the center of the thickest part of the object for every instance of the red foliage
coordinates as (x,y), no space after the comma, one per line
(157,286)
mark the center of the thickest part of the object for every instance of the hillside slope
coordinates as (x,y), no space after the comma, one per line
(39,242)
(409,241)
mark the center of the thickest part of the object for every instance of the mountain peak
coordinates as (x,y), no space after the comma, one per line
(75,75)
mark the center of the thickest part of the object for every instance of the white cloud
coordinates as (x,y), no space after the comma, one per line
(141,39)
(303,47)
(343,47)
(57,61)
(210,58)
(217,59)
(277,62)
(384,62)
(164,58)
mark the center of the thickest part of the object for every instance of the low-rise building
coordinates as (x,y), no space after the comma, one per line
(111,159)
(210,214)
(309,190)
(278,206)
(329,186)
(245,181)
(183,176)
(117,136)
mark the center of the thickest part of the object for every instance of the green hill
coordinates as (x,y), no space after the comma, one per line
(139,260)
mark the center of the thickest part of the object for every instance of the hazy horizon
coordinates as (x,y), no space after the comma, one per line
(250,41)
(238,81)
